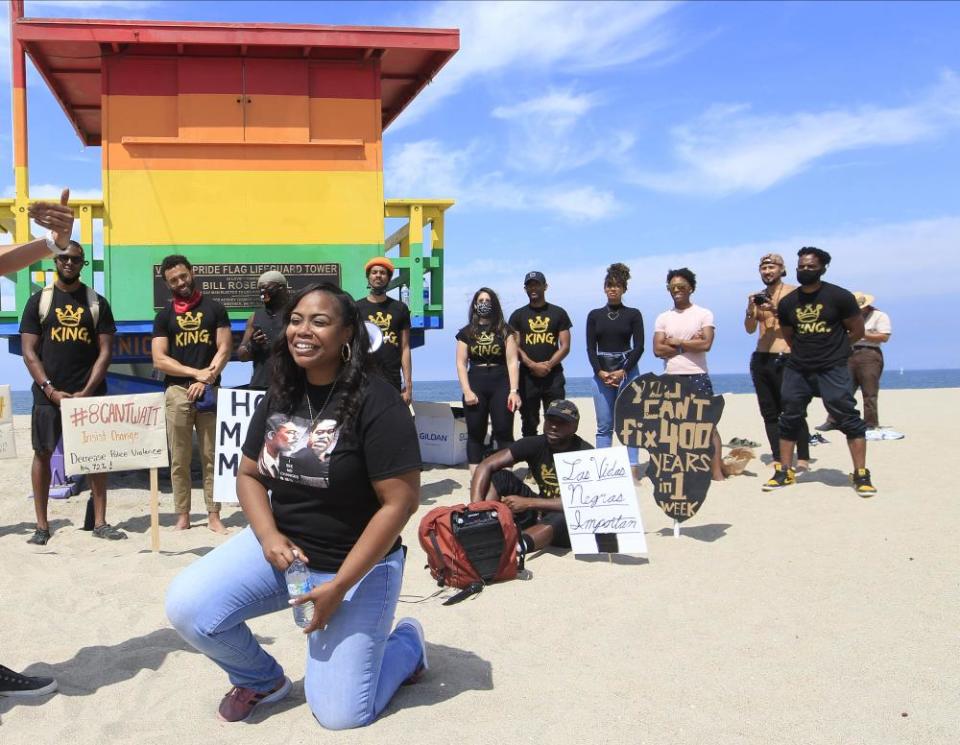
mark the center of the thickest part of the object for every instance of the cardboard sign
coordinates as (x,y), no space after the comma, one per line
(8,444)
(600,502)
(442,436)
(113,433)
(235,406)
(665,416)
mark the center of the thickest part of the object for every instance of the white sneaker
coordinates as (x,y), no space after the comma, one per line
(418,630)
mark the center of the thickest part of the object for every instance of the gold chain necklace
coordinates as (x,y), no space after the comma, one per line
(306,395)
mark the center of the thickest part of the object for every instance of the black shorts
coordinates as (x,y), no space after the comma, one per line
(45,428)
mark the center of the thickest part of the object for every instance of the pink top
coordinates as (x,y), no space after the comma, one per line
(685,324)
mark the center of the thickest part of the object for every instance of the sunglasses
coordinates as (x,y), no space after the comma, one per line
(72,260)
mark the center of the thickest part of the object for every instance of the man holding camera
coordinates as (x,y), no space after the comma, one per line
(770,357)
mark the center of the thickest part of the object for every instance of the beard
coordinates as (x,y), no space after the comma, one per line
(186,291)
(62,278)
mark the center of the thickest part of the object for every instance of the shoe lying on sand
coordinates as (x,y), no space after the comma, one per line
(884,433)
(742,442)
(24,686)
(239,703)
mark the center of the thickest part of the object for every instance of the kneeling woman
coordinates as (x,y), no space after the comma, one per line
(341,510)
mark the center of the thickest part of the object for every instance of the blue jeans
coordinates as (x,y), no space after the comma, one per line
(604,398)
(354,666)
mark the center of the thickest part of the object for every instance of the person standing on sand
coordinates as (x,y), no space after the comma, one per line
(264,327)
(392,317)
(820,322)
(58,219)
(191,346)
(767,362)
(67,335)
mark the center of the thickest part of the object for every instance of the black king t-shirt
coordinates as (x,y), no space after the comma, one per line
(486,347)
(191,336)
(320,476)
(537,454)
(68,346)
(820,339)
(539,330)
(391,317)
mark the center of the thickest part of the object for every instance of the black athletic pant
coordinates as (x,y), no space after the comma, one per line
(766,369)
(537,393)
(492,386)
(834,388)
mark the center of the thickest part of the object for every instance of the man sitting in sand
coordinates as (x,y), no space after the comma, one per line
(539,516)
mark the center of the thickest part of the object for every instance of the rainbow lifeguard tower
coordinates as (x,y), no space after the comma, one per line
(244,147)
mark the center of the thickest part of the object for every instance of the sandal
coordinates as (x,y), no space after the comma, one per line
(40,537)
(109,532)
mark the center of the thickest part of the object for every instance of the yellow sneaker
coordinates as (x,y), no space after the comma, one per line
(781,477)
(862,484)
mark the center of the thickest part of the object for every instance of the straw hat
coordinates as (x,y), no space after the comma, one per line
(863,299)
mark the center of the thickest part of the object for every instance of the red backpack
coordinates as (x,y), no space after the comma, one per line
(471,544)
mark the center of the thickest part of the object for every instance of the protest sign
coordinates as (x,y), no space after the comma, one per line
(8,445)
(113,433)
(235,406)
(600,502)
(667,417)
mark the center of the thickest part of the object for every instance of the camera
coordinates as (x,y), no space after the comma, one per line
(760,298)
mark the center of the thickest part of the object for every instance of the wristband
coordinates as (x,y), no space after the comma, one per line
(54,249)
(514,390)
(45,383)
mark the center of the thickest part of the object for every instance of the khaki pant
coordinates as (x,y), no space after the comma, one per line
(866,367)
(182,418)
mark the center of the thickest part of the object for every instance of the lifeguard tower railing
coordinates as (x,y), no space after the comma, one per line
(416,249)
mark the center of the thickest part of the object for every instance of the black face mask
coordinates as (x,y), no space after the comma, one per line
(809,276)
(378,291)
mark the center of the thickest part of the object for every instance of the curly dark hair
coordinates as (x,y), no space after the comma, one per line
(821,255)
(686,274)
(497,323)
(288,383)
(169,262)
(617,274)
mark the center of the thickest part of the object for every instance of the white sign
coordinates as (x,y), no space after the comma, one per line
(8,445)
(235,406)
(113,433)
(600,502)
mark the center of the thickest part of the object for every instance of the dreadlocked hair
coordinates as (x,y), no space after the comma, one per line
(288,383)
(617,274)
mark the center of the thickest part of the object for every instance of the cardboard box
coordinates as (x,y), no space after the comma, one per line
(442,433)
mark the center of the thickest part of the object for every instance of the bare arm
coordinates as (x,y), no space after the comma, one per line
(875,337)
(750,320)
(701,343)
(563,349)
(58,218)
(277,548)
(399,498)
(480,484)
(513,373)
(222,357)
(406,364)
(99,370)
(30,343)
(244,352)
(854,326)
(660,347)
(162,361)
(469,397)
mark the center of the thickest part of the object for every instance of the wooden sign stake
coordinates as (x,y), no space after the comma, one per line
(154,511)
(676,528)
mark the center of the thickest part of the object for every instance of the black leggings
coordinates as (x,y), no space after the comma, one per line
(766,369)
(492,387)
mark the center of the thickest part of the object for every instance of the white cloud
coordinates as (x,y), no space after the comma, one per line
(558,105)
(499,37)
(731,149)
(427,167)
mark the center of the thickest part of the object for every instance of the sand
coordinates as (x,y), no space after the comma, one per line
(807,616)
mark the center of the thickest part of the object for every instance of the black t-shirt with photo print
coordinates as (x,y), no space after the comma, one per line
(192,335)
(537,454)
(820,339)
(392,317)
(539,330)
(485,347)
(69,344)
(320,476)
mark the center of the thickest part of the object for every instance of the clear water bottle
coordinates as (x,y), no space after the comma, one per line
(426,295)
(404,294)
(299,583)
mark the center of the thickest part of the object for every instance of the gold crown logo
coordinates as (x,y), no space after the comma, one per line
(485,337)
(382,321)
(68,316)
(190,321)
(809,313)
(539,324)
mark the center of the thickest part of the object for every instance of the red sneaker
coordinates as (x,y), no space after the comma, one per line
(239,703)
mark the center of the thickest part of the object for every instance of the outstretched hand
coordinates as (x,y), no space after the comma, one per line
(57,218)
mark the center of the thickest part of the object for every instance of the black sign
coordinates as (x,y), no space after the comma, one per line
(235,285)
(665,416)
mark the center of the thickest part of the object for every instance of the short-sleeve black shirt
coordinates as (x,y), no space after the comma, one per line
(391,317)
(486,348)
(320,476)
(191,336)
(539,330)
(537,454)
(820,339)
(68,345)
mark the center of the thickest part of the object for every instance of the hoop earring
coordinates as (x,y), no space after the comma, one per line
(346,353)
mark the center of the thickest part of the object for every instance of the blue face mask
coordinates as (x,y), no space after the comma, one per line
(484,308)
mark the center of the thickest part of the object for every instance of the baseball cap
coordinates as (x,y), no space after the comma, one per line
(771,259)
(535,277)
(378,261)
(271,277)
(563,409)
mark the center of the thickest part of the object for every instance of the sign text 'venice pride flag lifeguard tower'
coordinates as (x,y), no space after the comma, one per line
(244,147)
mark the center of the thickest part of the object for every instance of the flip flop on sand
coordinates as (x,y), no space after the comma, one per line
(742,442)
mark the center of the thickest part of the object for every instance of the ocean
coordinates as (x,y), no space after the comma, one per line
(449,390)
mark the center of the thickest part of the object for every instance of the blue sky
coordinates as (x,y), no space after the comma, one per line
(661,135)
